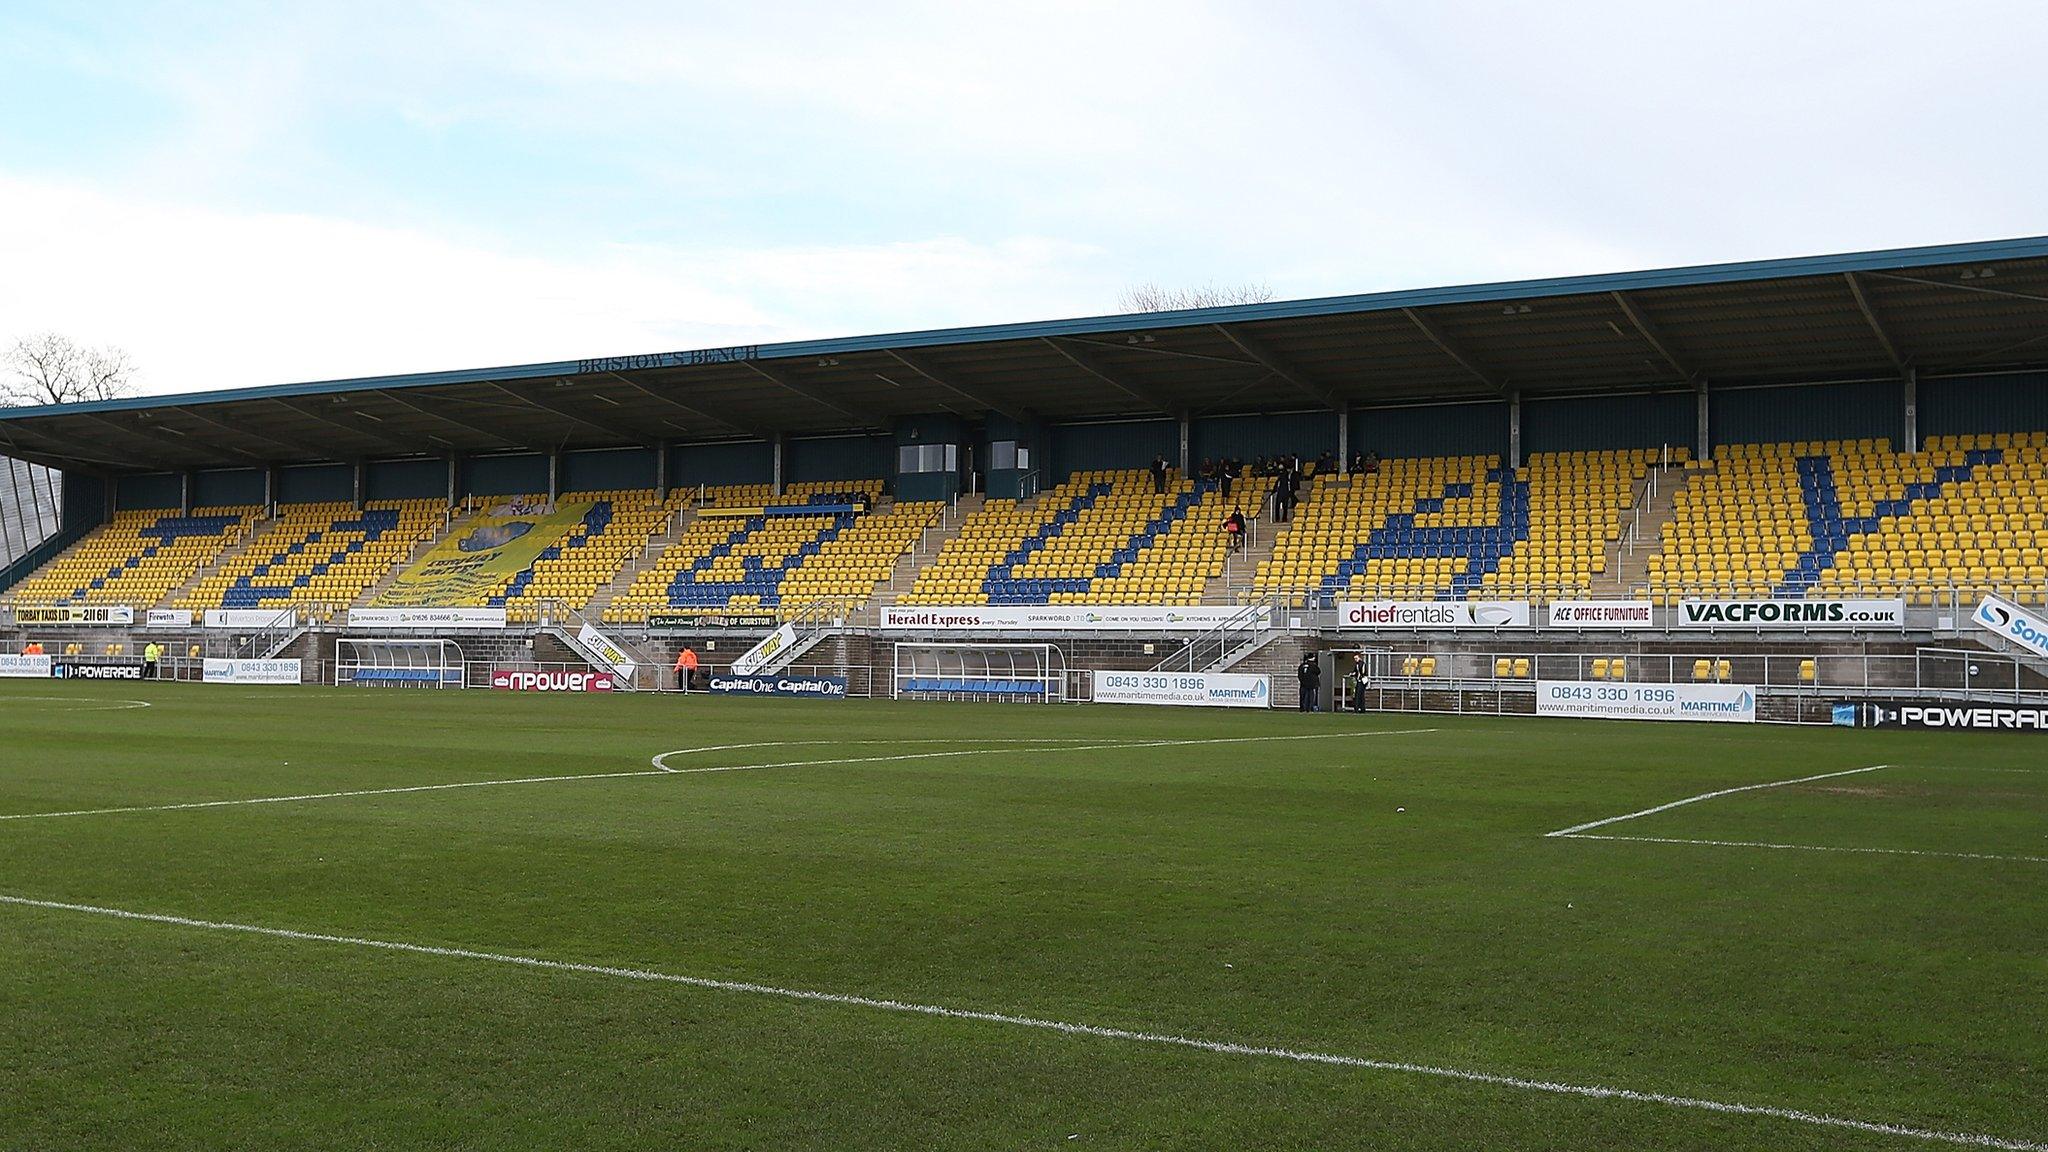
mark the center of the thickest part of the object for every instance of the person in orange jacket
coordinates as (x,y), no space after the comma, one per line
(32,648)
(686,668)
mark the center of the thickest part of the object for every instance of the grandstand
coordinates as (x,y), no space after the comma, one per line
(1644,438)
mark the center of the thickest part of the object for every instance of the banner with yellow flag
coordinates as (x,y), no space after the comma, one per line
(471,564)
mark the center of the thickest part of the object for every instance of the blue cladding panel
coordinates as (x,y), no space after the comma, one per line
(150,490)
(1130,444)
(1807,412)
(227,488)
(1604,423)
(504,475)
(606,470)
(315,484)
(1432,430)
(406,480)
(1966,404)
(745,462)
(839,458)
(1308,434)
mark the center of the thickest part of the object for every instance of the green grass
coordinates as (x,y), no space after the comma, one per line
(1268,893)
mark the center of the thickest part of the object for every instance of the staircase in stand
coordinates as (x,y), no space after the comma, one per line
(1628,567)
(908,565)
(601,600)
(233,551)
(457,522)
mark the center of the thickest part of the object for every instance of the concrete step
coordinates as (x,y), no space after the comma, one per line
(233,551)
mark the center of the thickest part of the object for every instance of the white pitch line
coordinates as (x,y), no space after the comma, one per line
(90,704)
(1804,847)
(661,768)
(921,740)
(323,795)
(1577,828)
(658,760)
(1221,1047)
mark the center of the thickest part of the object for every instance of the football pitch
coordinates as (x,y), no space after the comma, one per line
(320,918)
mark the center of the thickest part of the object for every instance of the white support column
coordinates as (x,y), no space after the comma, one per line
(1344,440)
(554,475)
(778,444)
(1912,410)
(661,465)
(1186,424)
(270,490)
(1703,449)
(454,477)
(185,493)
(361,485)
(1515,428)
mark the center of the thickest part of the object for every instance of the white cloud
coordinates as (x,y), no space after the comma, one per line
(207,299)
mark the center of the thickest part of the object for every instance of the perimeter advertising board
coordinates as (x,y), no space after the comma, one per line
(1601,615)
(2010,622)
(601,646)
(24,667)
(251,618)
(1948,716)
(1606,700)
(1792,615)
(76,669)
(813,687)
(219,671)
(426,617)
(1059,618)
(1433,615)
(549,680)
(169,618)
(694,621)
(74,615)
(1184,689)
(753,658)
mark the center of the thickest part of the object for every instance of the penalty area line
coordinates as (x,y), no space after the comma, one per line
(1157,1039)
(1803,847)
(1575,829)
(1054,749)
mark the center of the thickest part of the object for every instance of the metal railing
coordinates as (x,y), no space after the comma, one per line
(1255,625)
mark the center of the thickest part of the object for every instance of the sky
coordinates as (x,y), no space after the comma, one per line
(244,193)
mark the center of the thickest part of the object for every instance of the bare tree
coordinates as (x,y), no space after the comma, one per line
(50,368)
(1150,297)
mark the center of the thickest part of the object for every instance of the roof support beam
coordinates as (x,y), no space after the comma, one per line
(303,446)
(628,434)
(1279,365)
(1877,329)
(454,421)
(58,456)
(779,377)
(950,383)
(395,443)
(1087,362)
(688,411)
(156,438)
(1450,349)
(1651,334)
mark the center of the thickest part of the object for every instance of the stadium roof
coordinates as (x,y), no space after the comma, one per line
(1938,310)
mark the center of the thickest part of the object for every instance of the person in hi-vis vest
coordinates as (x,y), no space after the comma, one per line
(686,668)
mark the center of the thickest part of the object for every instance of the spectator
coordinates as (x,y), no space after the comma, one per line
(1208,469)
(152,654)
(1310,678)
(1233,525)
(1372,463)
(1326,463)
(1159,473)
(686,669)
(1226,475)
(32,648)
(1357,463)
(1359,684)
